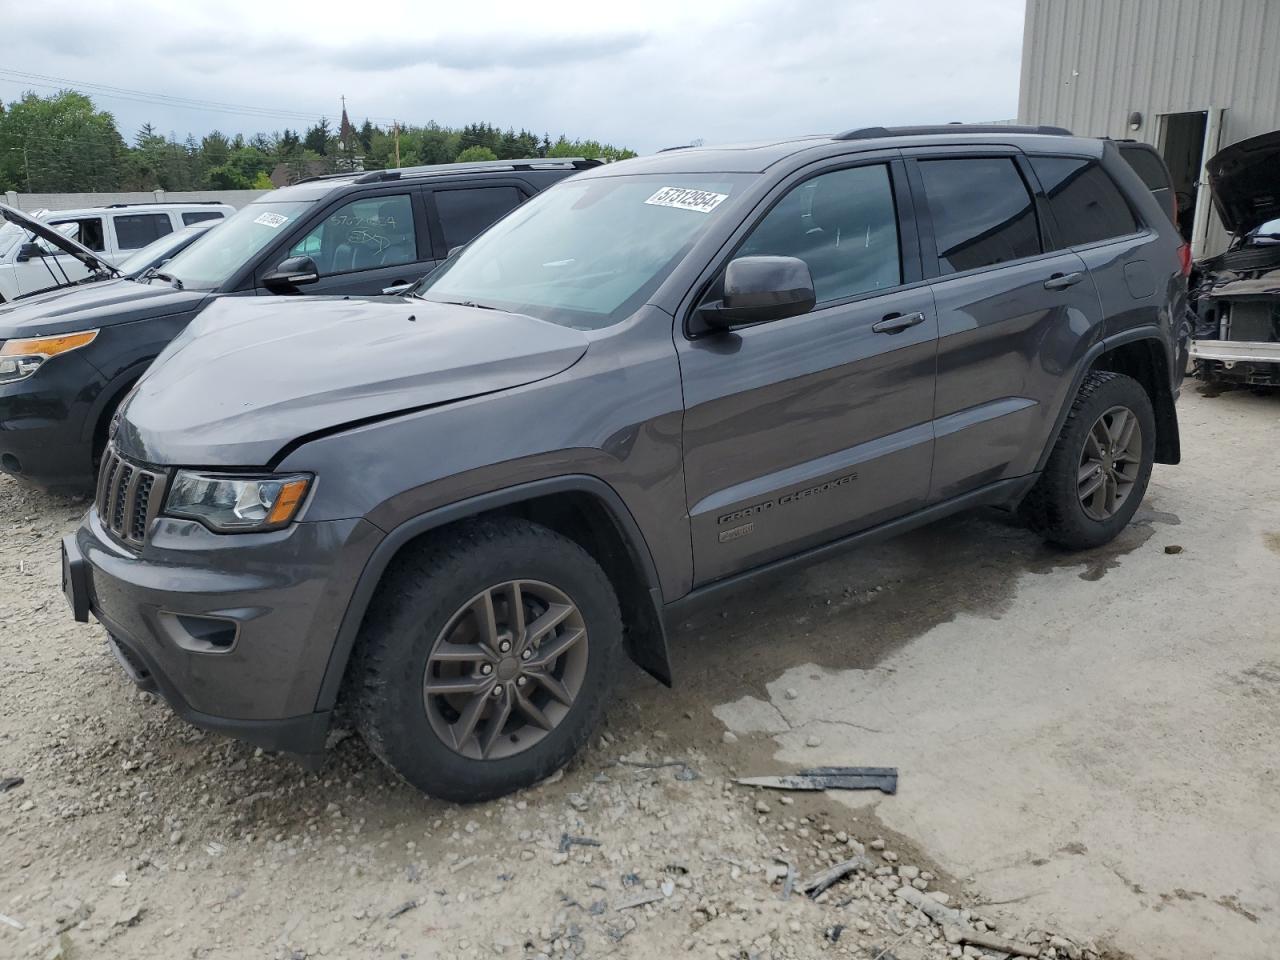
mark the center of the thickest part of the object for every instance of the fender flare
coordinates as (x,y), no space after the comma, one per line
(650,654)
(1163,402)
(110,391)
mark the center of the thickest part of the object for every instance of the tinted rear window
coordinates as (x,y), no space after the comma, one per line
(1087,205)
(136,230)
(200,216)
(982,212)
(1148,165)
(465,213)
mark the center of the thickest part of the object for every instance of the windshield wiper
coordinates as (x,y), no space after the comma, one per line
(467,303)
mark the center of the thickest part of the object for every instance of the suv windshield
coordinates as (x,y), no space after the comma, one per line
(155,251)
(586,253)
(207,266)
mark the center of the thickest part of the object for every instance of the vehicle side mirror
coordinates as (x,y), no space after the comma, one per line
(758,289)
(293,272)
(30,251)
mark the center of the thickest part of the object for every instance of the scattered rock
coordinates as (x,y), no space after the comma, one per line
(10,783)
(1173,548)
(813,741)
(729,737)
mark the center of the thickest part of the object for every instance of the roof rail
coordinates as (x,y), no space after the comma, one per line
(166,203)
(478,166)
(873,133)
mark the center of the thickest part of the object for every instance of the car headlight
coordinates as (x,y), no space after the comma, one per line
(19,359)
(236,504)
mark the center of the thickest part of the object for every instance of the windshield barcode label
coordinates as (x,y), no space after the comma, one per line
(272,220)
(700,201)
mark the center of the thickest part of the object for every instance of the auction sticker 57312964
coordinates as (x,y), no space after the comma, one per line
(700,201)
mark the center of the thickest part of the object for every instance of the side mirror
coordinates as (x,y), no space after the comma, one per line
(757,289)
(293,272)
(30,251)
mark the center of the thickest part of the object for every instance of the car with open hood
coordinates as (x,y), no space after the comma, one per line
(68,356)
(36,256)
(449,514)
(1237,297)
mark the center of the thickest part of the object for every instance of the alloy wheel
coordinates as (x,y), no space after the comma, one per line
(1110,463)
(506,669)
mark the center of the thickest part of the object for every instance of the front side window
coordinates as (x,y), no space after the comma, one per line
(207,266)
(465,213)
(362,235)
(136,230)
(587,252)
(1087,206)
(982,212)
(87,232)
(843,225)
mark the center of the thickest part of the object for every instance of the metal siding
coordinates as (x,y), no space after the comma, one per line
(1087,64)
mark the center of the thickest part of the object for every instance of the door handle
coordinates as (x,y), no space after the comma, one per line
(897,322)
(1060,281)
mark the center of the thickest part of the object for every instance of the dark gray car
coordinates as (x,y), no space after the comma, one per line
(450,513)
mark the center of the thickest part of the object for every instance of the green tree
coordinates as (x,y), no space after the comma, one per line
(317,138)
(475,155)
(59,144)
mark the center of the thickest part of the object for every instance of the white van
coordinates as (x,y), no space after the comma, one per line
(113,231)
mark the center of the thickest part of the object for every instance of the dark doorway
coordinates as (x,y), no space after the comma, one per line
(1182,145)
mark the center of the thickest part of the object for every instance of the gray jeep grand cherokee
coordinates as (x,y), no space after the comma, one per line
(451,512)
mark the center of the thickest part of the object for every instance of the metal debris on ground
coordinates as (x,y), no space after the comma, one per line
(403,908)
(568,840)
(640,900)
(816,885)
(884,779)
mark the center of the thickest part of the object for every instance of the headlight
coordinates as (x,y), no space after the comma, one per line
(19,359)
(236,504)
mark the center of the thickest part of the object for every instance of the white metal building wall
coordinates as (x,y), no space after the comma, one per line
(1088,64)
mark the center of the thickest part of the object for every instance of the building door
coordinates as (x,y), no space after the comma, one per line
(1187,140)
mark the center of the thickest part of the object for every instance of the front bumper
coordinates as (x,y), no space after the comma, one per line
(234,631)
(45,437)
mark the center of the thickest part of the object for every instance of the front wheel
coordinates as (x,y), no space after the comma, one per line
(486,659)
(1098,471)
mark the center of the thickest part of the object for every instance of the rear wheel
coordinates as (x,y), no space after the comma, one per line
(486,659)
(1098,471)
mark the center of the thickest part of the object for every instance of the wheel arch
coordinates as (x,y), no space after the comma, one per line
(581,507)
(109,397)
(1139,353)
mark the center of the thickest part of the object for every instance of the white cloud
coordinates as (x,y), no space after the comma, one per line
(646,75)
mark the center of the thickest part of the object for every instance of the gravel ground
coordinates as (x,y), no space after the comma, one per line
(135,835)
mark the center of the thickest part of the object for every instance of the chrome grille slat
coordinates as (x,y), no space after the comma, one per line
(129,498)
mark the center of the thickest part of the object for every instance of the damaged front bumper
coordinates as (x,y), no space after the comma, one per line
(1240,361)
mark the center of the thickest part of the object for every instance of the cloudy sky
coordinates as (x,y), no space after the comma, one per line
(642,74)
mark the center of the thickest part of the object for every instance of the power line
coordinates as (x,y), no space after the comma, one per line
(108,91)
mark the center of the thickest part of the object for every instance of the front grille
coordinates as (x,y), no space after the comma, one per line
(129,497)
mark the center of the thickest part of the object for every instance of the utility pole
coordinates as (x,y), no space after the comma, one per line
(395,129)
(26,165)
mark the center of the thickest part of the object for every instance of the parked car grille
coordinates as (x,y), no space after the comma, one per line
(129,497)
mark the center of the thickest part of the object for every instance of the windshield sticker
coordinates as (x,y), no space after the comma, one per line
(700,201)
(273,220)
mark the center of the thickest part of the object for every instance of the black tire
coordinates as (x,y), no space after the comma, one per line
(1054,508)
(419,598)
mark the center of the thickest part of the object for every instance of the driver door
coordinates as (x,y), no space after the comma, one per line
(362,246)
(803,430)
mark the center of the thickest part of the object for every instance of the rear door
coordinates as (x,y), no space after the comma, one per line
(362,244)
(133,231)
(1013,320)
(803,430)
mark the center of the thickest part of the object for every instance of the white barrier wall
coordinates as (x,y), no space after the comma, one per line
(74,201)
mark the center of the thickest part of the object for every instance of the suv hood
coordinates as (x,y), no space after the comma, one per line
(94,261)
(93,305)
(1245,182)
(250,376)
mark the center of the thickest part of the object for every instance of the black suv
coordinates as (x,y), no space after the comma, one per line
(68,357)
(451,512)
